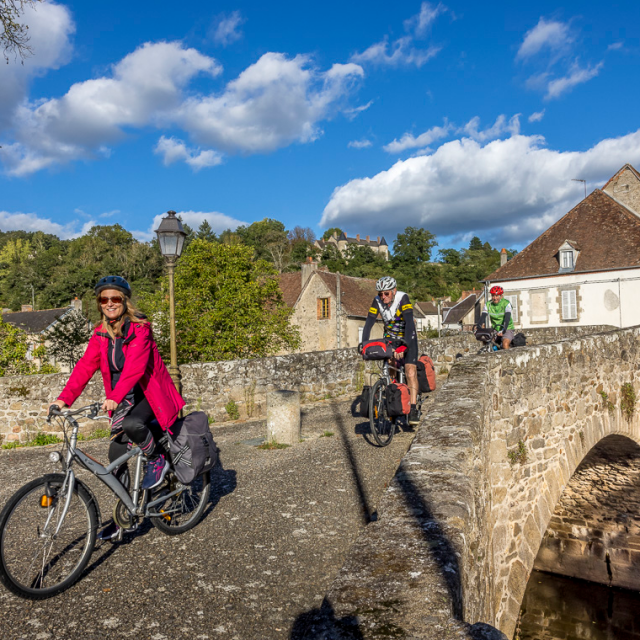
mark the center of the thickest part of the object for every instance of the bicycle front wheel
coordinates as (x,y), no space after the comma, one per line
(382,426)
(184,510)
(42,555)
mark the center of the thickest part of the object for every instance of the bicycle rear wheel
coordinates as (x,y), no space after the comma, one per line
(382,426)
(35,561)
(184,510)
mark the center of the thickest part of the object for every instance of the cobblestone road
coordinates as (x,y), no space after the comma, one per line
(278,529)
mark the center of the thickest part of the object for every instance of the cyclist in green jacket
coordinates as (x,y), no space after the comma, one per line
(500,312)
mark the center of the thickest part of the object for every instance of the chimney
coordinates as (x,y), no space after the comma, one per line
(367,238)
(358,237)
(378,239)
(503,257)
(76,304)
(307,270)
(26,307)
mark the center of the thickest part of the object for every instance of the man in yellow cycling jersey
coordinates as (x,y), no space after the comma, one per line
(397,313)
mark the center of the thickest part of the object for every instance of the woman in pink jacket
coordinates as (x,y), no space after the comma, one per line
(137,384)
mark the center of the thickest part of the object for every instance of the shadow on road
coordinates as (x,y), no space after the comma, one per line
(322,624)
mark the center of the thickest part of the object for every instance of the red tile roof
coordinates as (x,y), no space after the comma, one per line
(291,286)
(606,233)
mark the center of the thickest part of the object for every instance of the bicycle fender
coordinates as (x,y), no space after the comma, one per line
(59,477)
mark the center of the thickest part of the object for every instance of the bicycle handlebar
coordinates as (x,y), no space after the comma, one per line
(93,409)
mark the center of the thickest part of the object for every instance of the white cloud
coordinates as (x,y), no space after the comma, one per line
(402,52)
(50,30)
(547,34)
(143,89)
(409,141)
(360,144)
(272,103)
(536,116)
(31,222)
(576,75)
(218,221)
(420,23)
(174,150)
(110,214)
(353,112)
(227,29)
(615,46)
(509,190)
(497,129)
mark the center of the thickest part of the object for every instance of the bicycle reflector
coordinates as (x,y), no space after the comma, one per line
(45,501)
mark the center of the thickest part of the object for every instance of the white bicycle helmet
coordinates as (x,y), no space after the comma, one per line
(386,284)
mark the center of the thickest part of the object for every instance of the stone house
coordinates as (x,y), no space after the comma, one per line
(585,269)
(378,245)
(426,313)
(36,324)
(330,309)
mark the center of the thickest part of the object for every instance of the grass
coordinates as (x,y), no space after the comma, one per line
(518,455)
(39,440)
(326,434)
(628,400)
(232,410)
(606,403)
(273,445)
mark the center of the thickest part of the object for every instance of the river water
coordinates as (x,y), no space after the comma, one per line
(558,608)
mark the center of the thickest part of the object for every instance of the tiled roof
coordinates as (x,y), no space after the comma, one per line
(606,233)
(291,286)
(34,321)
(357,293)
(456,313)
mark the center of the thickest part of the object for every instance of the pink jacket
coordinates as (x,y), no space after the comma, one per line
(143,364)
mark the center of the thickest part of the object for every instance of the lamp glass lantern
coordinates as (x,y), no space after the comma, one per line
(171,236)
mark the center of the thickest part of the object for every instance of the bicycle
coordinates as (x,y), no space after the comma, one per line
(490,339)
(48,527)
(382,425)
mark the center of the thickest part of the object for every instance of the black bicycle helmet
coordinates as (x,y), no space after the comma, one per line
(113,282)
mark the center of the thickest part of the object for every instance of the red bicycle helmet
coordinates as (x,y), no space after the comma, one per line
(496,291)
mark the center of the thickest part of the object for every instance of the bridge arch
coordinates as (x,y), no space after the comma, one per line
(550,406)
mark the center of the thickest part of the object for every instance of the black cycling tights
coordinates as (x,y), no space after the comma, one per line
(136,429)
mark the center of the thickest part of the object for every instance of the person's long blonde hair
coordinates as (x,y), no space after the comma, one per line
(131,312)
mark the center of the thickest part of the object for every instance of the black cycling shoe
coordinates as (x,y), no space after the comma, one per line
(110,532)
(414,417)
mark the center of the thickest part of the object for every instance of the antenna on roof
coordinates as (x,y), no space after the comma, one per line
(585,184)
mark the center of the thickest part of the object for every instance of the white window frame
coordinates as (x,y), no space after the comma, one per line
(566,259)
(569,304)
(360,331)
(514,305)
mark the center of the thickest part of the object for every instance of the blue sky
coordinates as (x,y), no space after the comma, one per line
(465,118)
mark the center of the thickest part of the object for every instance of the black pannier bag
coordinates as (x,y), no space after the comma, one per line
(363,401)
(191,445)
(379,349)
(519,340)
(398,400)
(485,335)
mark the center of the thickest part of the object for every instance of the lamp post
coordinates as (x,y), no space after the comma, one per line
(171,237)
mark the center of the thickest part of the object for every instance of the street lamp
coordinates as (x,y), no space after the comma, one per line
(171,237)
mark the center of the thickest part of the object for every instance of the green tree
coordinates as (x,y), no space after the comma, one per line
(205,232)
(228,306)
(14,346)
(68,338)
(413,248)
(329,232)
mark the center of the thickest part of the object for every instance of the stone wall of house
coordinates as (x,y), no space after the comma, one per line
(594,533)
(625,188)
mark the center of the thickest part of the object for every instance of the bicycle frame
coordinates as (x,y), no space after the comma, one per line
(105,474)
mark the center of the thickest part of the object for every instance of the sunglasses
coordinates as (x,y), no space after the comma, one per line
(106,299)
(386,293)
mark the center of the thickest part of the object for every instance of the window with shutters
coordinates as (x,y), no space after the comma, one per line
(514,305)
(569,305)
(324,310)
(566,259)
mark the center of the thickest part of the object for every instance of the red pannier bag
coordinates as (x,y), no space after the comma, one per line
(426,374)
(398,400)
(379,349)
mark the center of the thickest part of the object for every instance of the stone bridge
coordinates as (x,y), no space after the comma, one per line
(460,526)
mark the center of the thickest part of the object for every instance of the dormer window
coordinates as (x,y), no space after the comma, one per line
(567,256)
(566,259)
